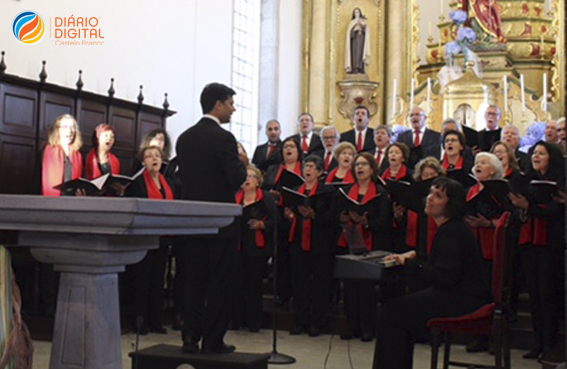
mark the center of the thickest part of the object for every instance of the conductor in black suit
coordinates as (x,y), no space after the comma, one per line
(210,170)
(419,137)
(360,136)
(309,142)
(270,152)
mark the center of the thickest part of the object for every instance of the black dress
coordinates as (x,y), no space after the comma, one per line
(312,261)
(256,246)
(455,288)
(542,262)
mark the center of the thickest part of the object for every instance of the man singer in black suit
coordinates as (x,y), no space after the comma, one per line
(330,136)
(210,170)
(360,136)
(419,137)
(270,152)
(308,140)
(487,137)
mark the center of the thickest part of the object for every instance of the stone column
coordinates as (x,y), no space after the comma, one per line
(318,57)
(397,58)
(269,53)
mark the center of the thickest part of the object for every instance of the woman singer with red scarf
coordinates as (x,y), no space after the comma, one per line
(292,156)
(542,241)
(457,165)
(257,227)
(373,227)
(62,160)
(100,160)
(311,250)
(149,272)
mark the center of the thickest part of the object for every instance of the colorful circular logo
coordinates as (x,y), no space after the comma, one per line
(28,27)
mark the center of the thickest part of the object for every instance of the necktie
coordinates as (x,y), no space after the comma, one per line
(271,150)
(304,145)
(359,144)
(417,141)
(328,159)
(379,157)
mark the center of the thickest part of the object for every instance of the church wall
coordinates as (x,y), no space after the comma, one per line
(162,45)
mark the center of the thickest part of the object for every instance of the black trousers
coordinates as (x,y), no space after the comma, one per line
(360,306)
(149,286)
(210,266)
(247,295)
(544,281)
(400,319)
(311,282)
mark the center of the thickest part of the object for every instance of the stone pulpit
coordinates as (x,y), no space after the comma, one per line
(90,240)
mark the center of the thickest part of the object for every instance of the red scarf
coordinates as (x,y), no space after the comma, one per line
(93,169)
(431,231)
(484,235)
(446,163)
(259,234)
(53,169)
(401,173)
(367,234)
(296,170)
(534,231)
(508,173)
(307,223)
(153,190)
(333,174)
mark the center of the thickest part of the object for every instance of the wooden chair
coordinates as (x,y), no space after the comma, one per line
(490,319)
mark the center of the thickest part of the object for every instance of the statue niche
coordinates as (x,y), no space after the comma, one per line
(357,49)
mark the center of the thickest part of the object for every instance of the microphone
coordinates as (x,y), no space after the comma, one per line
(139,324)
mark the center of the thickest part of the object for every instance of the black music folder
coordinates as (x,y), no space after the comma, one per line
(410,195)
(349,204)
(290,180)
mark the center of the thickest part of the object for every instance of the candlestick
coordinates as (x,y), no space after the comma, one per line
(395,92)
(428,95)
(522,86)
(412,93)
(505,88)
(430,29)
(544,106)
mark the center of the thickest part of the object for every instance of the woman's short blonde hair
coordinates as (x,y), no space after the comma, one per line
(428,162)
(257,173)
(342,147)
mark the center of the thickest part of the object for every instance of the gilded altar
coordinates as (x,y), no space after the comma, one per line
(531,45)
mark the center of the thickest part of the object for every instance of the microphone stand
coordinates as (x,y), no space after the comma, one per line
(139,324)
(276,358)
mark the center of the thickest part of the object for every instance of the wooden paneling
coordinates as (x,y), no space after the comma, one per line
(89,115)
(51,106)
(19,110)
(18,165)
(124,123)
(146,123)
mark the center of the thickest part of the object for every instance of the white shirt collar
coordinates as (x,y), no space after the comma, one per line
(363,132)
(309,135)
(212,117)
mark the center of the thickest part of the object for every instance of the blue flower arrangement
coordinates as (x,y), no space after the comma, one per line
(465,35)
